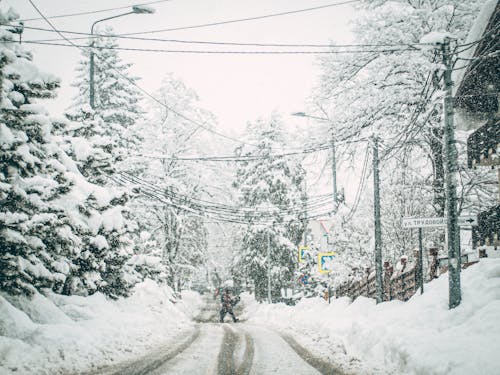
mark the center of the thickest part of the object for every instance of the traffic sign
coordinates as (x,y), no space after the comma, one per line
(426,222)
(467,220)
(325,262)
(423,222)
(304,279)
(303,250)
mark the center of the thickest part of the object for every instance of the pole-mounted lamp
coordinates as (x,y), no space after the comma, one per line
(136,9)
(334,166)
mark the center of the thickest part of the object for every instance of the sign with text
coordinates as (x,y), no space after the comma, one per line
(427,222)
(467,220)
(423,222)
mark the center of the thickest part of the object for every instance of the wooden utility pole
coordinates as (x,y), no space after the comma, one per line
(455,295)
(378,230)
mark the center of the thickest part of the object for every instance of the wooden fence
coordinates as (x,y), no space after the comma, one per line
(399,282)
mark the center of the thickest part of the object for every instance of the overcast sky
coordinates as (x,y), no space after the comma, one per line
(236,88)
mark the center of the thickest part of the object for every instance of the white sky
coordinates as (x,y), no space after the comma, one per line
(236,88)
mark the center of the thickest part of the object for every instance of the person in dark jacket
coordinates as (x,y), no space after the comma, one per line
(227,303)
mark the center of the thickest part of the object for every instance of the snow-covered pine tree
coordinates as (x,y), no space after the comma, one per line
(116,99)
(36,237)
(101,141)
(271,185)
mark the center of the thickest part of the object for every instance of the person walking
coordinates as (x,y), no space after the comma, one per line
(227,306)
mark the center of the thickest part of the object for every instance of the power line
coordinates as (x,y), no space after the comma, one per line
(221,211)
(217,52)
(362,181)
(246,19)
(314,201)
(199,125)
(86,35)
(252,157)
(93,11)
(422,100)
(220,215)
(211,23)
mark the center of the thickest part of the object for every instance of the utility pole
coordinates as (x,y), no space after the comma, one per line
(454,266)
(269,299)
(334,175)
(420,274)
(305,211)
(91,72)
(334,161)
(136,9)
(378,231)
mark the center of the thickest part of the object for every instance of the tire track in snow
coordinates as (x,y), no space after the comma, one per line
(226,355)
(150,362)
(324,367)
(227,363)
(246,364)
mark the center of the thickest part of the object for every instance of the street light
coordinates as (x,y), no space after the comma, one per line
(136,9)
(334,162)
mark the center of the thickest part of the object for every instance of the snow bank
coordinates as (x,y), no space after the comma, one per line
(420,336)
(191,303)
(56,334)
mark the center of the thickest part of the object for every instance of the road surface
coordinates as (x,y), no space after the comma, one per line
(215,348)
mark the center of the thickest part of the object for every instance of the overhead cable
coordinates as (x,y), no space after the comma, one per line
(152,97)
(93,11)
(219,52)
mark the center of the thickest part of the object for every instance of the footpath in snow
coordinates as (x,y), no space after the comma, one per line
(420,336)
(54,334)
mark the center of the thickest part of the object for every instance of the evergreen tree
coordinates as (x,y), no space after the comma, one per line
(272,186)
(101,140)
(36,237)
(113,123)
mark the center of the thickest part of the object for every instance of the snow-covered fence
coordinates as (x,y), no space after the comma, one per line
(399,281)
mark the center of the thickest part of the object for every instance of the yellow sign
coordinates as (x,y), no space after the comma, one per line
(302,253)
(325,262)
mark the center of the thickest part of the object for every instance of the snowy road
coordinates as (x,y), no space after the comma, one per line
(226,349)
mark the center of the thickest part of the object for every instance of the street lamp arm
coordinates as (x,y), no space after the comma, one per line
(303,114)
(334,162)
(108,18)
(137,9)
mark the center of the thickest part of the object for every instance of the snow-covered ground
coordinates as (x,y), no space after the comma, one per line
(420,336)
(55,334)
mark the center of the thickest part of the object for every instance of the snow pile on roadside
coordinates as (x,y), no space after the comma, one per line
(420,336)
(191,303)
(56,334)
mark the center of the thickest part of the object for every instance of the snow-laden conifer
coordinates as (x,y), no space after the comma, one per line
(271,187)
(36,237)
(102,141)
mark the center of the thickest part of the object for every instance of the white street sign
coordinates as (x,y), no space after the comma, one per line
(423,222)
(426,222)
(467,220)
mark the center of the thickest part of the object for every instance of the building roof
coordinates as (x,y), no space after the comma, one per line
(476,80)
